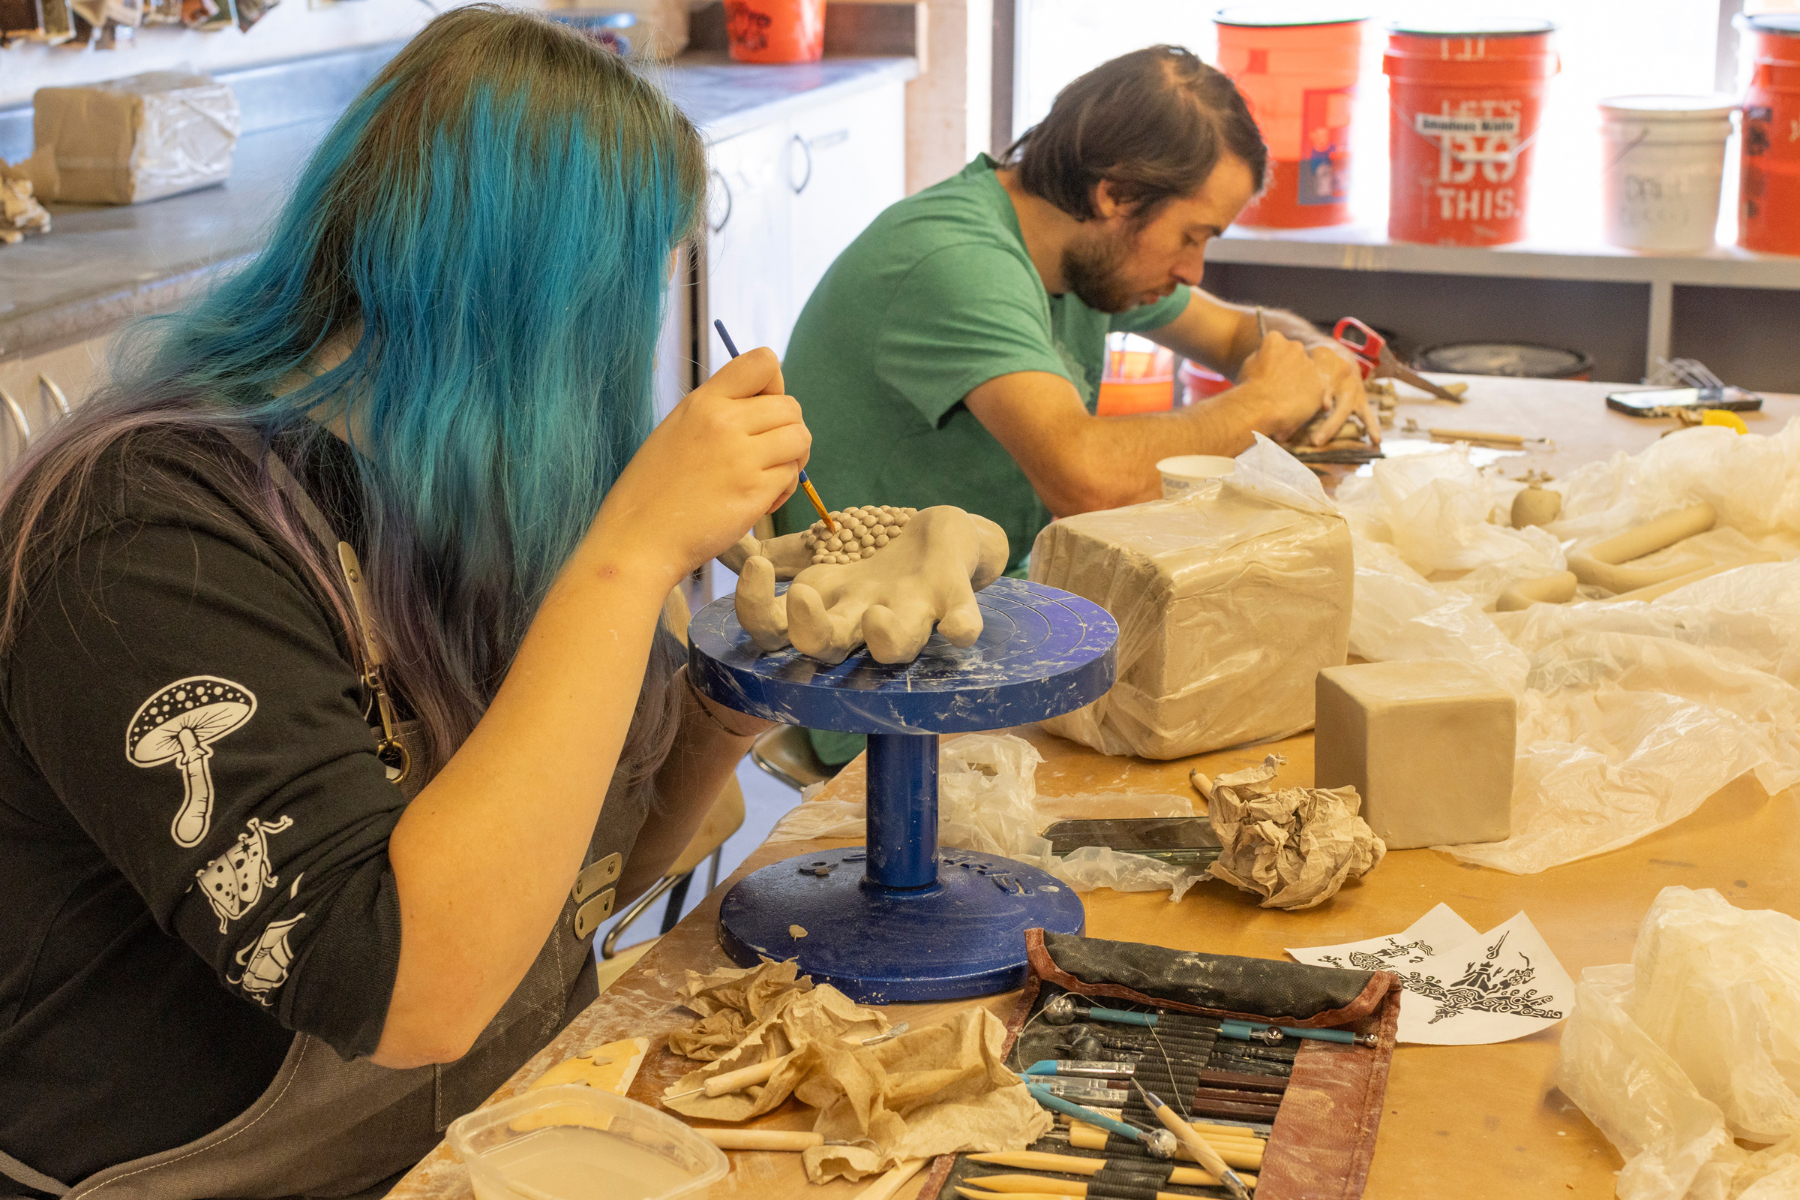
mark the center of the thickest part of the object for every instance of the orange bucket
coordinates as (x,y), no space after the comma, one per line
(775,31)
(1298,75)
(1769,195)
(1463,107)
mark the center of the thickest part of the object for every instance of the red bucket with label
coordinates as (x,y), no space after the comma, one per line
(1297,70)
(1769,192)
(1463,105)
(775,31)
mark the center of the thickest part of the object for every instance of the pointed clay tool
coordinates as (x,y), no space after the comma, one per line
(1203,1153)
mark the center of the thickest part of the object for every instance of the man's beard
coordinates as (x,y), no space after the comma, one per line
(1095,272)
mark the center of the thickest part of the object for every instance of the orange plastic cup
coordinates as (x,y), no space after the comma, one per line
(775,31)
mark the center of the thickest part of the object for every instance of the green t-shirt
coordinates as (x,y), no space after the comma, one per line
(935,298)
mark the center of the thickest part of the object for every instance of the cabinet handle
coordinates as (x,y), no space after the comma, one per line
(47,387)
(18,417)
(806,146)
(724,186)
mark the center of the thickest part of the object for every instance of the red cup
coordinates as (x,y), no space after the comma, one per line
(775,31)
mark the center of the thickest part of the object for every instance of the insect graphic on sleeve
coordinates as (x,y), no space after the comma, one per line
(267,963)
(233,882)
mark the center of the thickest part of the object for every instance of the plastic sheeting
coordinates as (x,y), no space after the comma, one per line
(133,139)
(1630,714)
(1692,1044)
(988,802)
(1229,600)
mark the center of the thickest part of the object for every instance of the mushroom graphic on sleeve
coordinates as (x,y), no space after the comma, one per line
(179,724)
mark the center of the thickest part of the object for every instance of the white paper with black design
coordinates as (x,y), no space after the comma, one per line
(1463,988)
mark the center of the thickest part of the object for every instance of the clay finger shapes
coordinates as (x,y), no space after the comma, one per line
(891,599)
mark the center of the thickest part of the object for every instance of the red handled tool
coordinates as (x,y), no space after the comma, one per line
(1378,362)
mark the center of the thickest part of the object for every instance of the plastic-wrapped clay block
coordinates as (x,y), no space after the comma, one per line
(1427,744)
(1228,604)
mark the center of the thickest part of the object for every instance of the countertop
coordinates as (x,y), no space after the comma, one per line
(101,264)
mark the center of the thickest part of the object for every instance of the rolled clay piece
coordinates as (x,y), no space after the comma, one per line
(1658,590)
(1599,565)
(1545,589)
(1535,505)
(1655,535)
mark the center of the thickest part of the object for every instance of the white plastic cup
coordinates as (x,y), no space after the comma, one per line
(1665,159)
(1185,472)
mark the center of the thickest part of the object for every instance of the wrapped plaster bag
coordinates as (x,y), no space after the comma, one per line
(134,139)
(1691,1047)
(1229,600)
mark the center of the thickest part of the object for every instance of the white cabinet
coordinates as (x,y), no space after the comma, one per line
(786,199)
(75,370)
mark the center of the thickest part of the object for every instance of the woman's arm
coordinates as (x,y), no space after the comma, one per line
(485,855)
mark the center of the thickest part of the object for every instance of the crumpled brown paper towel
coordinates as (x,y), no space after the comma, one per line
(800,1019)
(731,1000)
(942,1089)
(1293,846)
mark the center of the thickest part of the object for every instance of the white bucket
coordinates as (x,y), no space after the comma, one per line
(1185,472)
(1665,159)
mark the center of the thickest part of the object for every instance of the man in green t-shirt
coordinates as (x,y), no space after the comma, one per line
(953,353)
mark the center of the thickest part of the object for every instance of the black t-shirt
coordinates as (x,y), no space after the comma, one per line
(193,822)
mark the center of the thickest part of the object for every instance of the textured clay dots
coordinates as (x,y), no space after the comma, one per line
(861,532)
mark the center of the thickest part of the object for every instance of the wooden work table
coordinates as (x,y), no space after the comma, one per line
(1468,1121)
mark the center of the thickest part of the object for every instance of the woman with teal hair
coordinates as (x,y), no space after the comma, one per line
(334,698)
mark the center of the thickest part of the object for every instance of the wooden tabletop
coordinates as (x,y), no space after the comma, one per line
(1467,1121)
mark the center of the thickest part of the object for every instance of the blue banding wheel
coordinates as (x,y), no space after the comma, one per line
(898,920)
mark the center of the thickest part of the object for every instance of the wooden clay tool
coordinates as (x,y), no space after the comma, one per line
(1075,1164)
(1203,1153)
(1083,1136)
(805,483)
(1030,1187)
(755,1073)
(760,1139)
(890,1181)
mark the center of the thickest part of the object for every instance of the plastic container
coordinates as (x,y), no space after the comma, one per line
(1139,377)
(1769,198)
(1185,472)
(1665,162)
(775,31)
(1463,105)
(578,1143)
(1198,382)
(1521,360)
(1297,68)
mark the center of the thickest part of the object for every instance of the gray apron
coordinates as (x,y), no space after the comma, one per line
(330,1128)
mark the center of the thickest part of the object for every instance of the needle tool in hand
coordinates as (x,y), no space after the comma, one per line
(811,492)
(1198,1146)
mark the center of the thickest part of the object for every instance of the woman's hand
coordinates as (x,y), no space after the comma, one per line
(731,451)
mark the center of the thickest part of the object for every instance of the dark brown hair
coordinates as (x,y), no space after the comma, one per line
(1153,123)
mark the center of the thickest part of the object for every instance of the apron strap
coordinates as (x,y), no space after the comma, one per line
(253,448)
(18,1172)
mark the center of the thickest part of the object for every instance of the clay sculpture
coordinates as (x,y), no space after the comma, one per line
(926,575)
(1535,504)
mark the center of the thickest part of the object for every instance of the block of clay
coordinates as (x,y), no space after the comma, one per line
(1428,745)
(1228,605)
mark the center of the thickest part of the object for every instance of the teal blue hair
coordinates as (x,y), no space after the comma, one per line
(487,232)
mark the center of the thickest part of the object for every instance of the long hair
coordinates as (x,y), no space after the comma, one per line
(487,229)
(1154,123)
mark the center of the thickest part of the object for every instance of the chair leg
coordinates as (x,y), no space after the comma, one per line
(677,897)
(610,944)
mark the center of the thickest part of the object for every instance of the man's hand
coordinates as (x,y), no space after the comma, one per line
(1285,386)
(1346,395)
